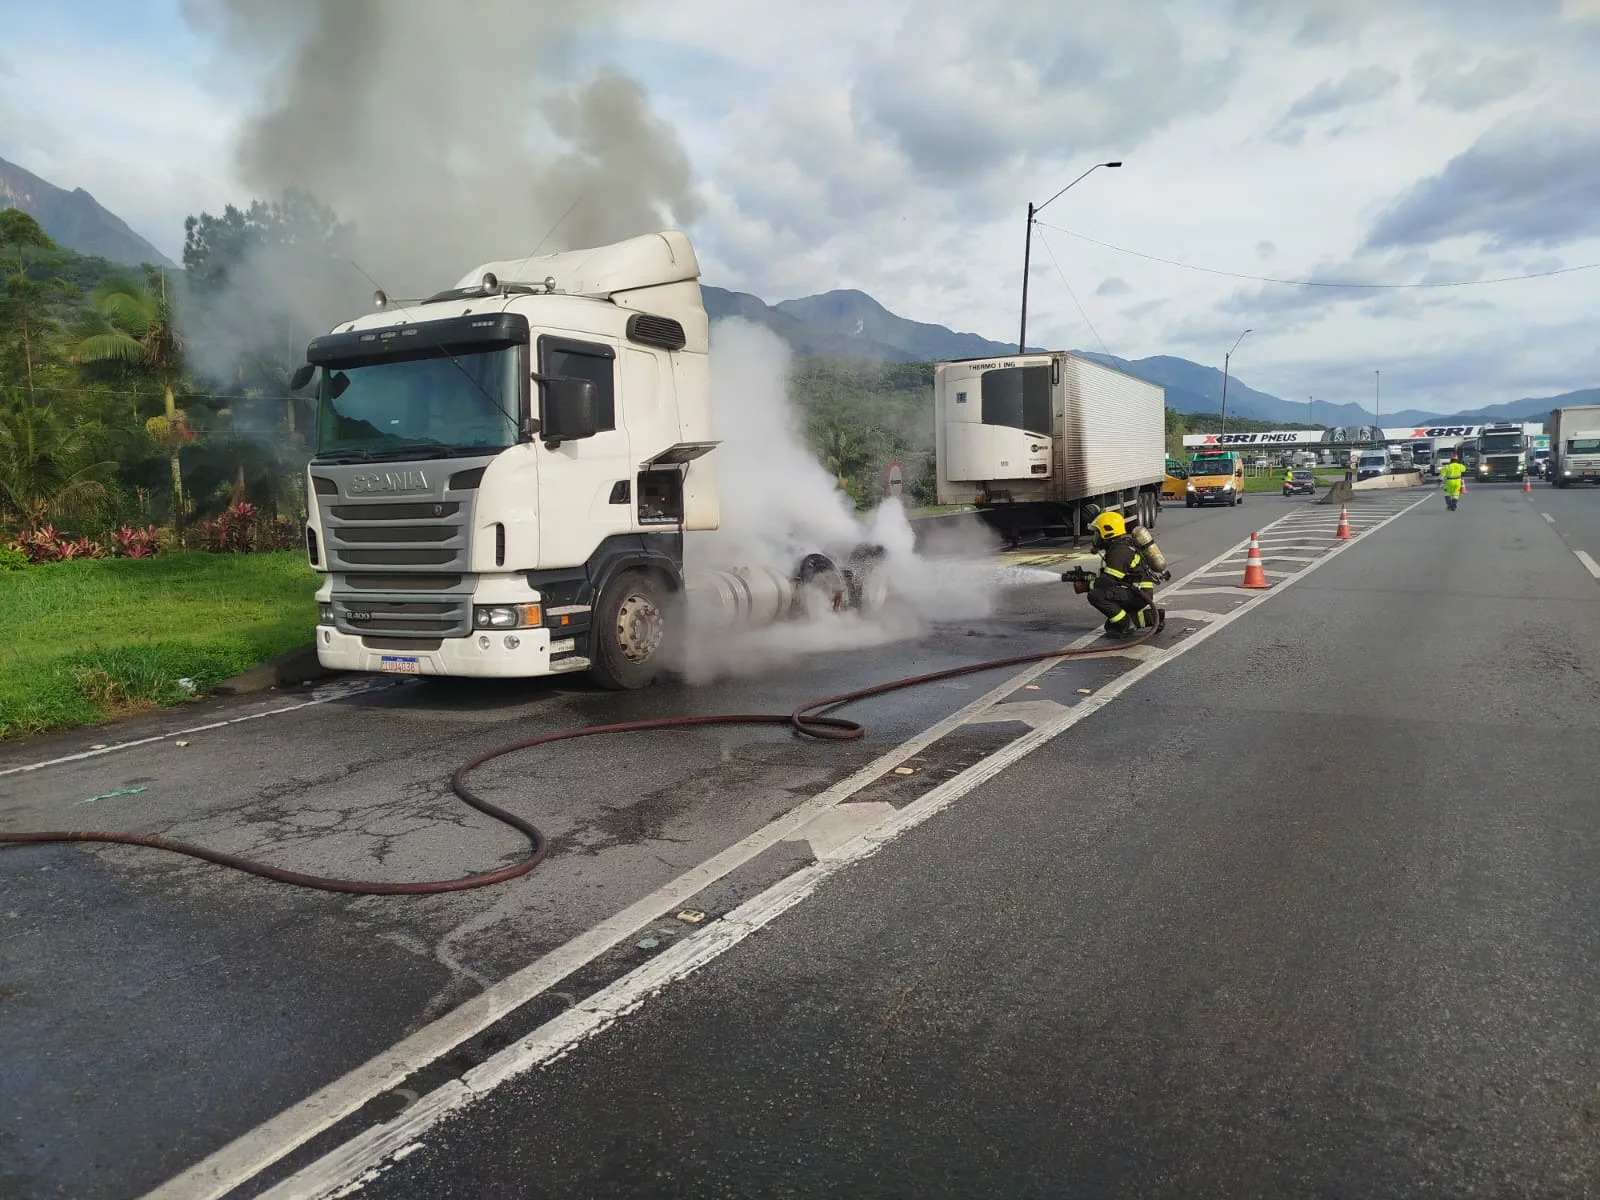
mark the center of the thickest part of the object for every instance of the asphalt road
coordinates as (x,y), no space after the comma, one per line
(1574,512)
(154,1009)
(1311,911)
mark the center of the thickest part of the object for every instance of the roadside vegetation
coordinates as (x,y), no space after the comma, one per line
(81,642)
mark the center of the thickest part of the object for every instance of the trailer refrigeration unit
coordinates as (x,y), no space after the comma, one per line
(1575,445)
(1035,440)
(506,473)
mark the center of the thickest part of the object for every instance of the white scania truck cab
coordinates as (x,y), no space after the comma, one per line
(505,473)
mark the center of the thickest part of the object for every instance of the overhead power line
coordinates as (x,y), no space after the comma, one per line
(1074,296)
(1083,237)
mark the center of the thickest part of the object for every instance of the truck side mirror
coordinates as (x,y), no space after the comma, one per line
(570,410)
(301,377)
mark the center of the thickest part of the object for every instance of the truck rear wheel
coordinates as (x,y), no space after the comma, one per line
(634,628)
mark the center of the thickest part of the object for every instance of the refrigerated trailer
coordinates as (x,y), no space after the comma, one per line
(1575,445)
(1038,442)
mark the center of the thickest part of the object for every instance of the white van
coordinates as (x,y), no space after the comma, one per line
(1372,463)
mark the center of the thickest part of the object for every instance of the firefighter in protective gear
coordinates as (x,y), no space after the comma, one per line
(1452,473)
(1124,589)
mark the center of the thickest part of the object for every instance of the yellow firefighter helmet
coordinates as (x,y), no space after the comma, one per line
(1110,525)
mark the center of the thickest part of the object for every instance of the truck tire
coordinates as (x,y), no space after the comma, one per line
(635,627)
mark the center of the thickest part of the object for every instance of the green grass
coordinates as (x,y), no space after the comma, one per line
(84,641)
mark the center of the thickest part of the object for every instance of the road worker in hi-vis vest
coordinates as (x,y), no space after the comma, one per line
(1452,473)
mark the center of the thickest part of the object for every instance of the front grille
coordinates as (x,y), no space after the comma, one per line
(395,512)
(404,536)
(396,533)
(402,615)
(400,564)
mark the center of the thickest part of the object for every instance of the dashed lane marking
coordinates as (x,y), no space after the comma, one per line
(1589,564)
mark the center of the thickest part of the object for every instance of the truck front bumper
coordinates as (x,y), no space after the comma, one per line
(488,654)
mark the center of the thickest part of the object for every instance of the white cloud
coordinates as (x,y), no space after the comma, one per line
(894,148)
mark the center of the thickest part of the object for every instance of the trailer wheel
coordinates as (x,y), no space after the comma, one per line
(634,628)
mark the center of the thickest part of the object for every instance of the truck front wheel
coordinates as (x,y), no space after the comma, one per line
(634,626)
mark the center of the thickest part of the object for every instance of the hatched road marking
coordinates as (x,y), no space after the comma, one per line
(359,1160)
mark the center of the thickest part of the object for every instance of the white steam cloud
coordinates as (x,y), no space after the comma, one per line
(779,504)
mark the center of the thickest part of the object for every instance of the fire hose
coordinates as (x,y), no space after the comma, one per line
(809,720)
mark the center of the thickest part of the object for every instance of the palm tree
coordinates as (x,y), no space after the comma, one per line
(40,471)
(132,325)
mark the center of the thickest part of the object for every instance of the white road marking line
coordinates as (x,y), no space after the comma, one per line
(1191,614)
(252,1152)
(323,695)
(1589,564)
(1548,517)
(341,1168)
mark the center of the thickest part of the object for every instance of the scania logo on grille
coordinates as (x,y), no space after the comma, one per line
(389,481)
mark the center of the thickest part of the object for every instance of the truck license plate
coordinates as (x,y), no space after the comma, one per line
(401,664)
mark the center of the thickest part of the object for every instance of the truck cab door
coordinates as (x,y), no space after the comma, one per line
(580,502)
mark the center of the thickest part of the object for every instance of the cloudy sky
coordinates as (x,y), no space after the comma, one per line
(893,147)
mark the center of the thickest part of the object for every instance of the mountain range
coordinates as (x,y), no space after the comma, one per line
(851,324)
(75,219)
(837,324)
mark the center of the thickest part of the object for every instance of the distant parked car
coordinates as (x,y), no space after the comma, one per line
(1300,483)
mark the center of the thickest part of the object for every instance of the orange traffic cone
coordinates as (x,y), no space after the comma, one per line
(1342,534)
(1255,575)
(1527,484)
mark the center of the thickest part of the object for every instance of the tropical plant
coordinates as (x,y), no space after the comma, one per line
(19,232)
(44,470)
(131,324)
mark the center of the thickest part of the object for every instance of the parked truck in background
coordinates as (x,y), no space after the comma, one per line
(1035,440)
(506,473)
(1502,452)
(1575,445)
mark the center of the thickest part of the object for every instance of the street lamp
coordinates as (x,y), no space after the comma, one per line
(1225,359)
(1027,250)
(1377,421)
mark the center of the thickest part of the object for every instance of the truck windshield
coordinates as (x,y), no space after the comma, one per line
(428,406)
(1583,445)
(1211,466)
(1501,443)
(1018,397)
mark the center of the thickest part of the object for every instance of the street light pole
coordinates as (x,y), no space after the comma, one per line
(1377,421)
(1027,250)
(1225,359)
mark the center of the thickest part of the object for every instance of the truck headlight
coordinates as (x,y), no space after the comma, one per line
(1189,484)
(1228,487)
(1483,466)
(506,616)
(324,614)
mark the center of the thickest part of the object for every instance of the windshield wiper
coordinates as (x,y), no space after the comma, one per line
(336,457)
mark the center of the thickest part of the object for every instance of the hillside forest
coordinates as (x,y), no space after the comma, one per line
(151,408)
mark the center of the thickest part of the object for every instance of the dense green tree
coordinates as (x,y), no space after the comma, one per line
(129,323)
(23,296)
(45,467)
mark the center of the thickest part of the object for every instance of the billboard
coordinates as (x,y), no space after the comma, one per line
(1339,435)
